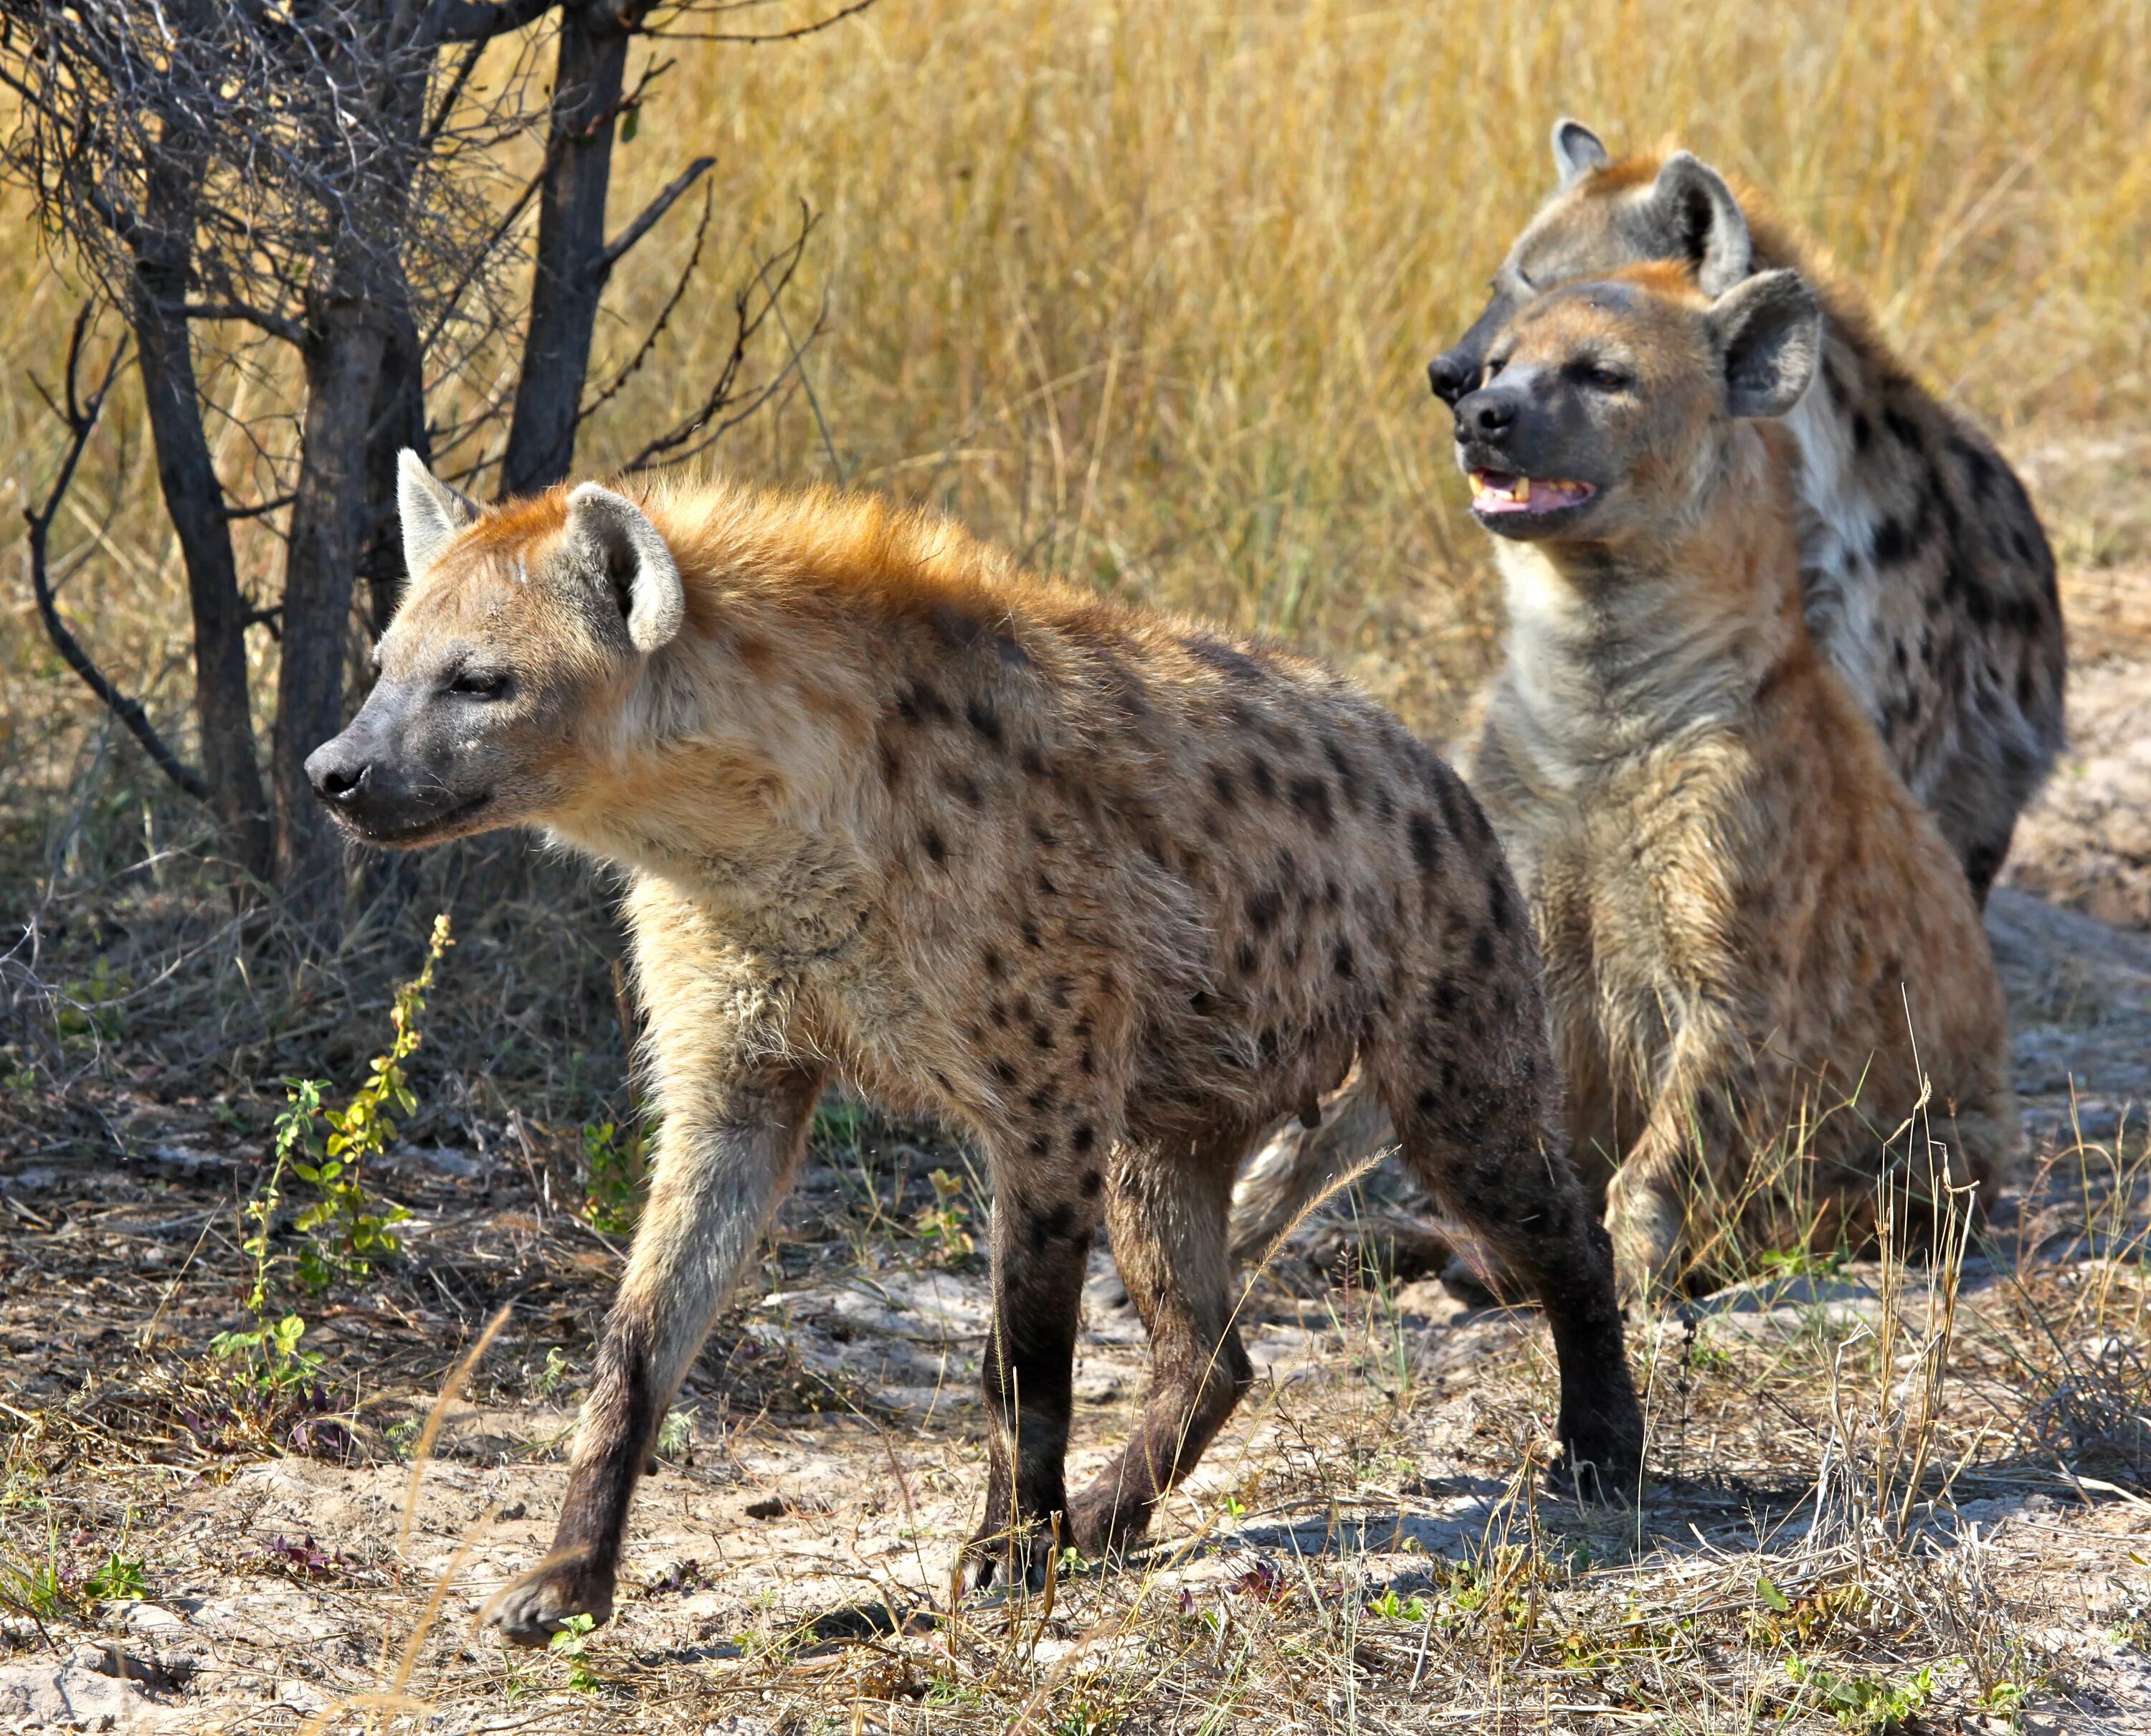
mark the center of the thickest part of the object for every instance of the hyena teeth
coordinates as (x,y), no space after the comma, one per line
(1522,491)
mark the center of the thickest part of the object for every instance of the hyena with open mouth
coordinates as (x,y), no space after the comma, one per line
(1770,992)
(1925,577)
(1110,891)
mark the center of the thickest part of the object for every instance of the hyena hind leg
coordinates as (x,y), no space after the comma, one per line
(1168,1216)
(1477,1140)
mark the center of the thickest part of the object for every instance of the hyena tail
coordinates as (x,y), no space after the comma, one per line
(1298,1165)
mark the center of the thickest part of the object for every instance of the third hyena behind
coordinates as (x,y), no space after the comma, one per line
(1112,893)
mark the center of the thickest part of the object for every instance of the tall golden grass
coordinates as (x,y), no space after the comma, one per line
(1147,290)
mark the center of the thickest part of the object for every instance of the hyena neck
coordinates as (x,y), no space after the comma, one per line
(732,787)
(1613,656)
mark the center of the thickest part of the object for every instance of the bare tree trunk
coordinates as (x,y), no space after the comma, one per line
(399,420)
(330,519)
(589,77)
(194,499)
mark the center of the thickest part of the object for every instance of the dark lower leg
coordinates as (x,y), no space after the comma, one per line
(1168,1216)
(1039,1259)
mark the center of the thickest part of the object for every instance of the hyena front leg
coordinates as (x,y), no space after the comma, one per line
(720,1169)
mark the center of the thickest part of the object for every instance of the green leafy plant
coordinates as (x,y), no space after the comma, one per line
(1390,1608)
(1862,1703)
(121,1580)
(95,1005)
(271,1349)
(33,1588)
(615,1168)
(349,1229)
(572,1643)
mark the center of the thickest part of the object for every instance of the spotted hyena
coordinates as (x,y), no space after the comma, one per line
(1111,893)
(1927,580)
(1758,949)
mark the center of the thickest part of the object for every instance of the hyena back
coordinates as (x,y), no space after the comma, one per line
(1760,955)
(1926,578)
(1111,893)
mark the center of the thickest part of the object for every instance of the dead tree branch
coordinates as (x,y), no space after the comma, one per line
(81,414)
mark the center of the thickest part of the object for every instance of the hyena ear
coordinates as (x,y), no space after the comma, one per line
(430,511)
(1696,218)
(632,560)
(1768,329)
(1576,150)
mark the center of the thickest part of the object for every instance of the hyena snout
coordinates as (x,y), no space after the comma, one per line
(381,796)
(1451,373)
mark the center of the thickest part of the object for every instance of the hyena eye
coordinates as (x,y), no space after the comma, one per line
(1495,364)
(478,684)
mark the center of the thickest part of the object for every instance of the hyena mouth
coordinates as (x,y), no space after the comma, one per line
(1499,491)
(426,831)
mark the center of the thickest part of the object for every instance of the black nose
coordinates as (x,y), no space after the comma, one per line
(1484,416)
(1450,374)
(337,776)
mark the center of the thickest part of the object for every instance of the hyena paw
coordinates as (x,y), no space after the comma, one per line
(1104,1520)
(537,1606)
(1016,1557)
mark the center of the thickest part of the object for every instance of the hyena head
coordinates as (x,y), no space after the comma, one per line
(521,632)
(1603,216)
(1609,404)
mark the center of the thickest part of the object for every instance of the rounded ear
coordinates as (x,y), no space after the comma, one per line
(1576,151)
(1769,330)
(432,514)
(1695,218)
(630,558)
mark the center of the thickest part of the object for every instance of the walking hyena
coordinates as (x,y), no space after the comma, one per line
(1927,580)
(1742,909)
(1111,893)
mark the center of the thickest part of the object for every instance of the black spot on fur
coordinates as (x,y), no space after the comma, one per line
(1892,542)
(1030,933)
(1093,1184)
(1084,1138)
(964,786)
(1041,1145)
(1258,775)
(1341,959)
(1425,842)
(921,703)
(1058,1225)
(1046,886)
(1042,1100)
(1002,1071)
(892,765)
(930,841)
(1264,909)
(1311,796)
(1246,958)
(1222,657)
(996,967)
(1227,791)
(1041,1037)
(1863,431)
(1348,773)
(981,716)
(1497,902)
(1902,428)
(1425,1102)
